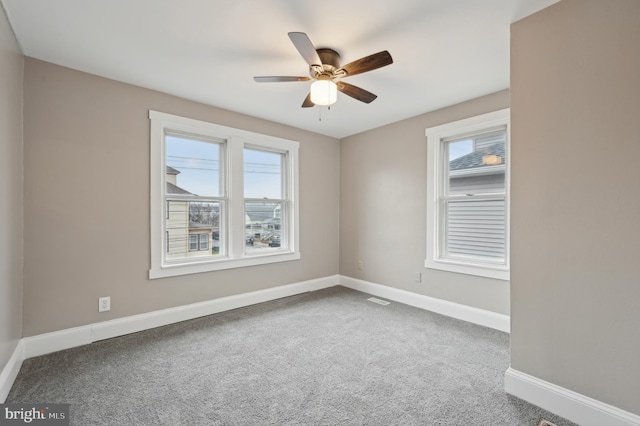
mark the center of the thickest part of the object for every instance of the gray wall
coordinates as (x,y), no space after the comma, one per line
(86,160)
(11,65)
(575,278)
(383,193)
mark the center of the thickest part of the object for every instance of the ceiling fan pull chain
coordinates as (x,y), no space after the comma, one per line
(320,111)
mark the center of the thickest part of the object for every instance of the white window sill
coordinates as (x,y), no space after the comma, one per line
(221,264)
(495,272)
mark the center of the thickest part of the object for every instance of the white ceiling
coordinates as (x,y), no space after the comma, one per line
(444,51)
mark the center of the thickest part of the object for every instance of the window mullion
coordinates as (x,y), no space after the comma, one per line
(266,200)
(483,196)
(235,179)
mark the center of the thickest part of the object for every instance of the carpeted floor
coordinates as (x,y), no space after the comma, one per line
(323,358)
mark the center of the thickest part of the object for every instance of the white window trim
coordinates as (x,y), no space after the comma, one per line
(434,136)
(234,226)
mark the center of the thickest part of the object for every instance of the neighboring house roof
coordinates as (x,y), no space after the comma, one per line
(174,189)
(260,212)
(172,171)
(474,159)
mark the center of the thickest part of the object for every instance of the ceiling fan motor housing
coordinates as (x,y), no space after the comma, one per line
(330,62)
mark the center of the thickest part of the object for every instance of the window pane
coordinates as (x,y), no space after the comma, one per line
(459,149)
(476,165)
(475,229)
(263,226)
(190,227)
(204,241)
(193,242)
(262,174)
(193,166)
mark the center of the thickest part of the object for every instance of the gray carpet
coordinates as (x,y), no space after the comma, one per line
(323,358)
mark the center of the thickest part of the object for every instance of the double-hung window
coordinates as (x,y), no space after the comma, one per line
(220,197)
(264,199)
(468,196)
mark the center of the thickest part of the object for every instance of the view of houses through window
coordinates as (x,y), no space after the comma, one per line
(264,195)
(195,198)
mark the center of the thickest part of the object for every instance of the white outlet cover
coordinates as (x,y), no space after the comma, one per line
(104,304)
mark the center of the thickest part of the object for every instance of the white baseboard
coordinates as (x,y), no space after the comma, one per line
(10,371)
(135,323)
(572,406)
(42,344)
(64,339)
(463,312)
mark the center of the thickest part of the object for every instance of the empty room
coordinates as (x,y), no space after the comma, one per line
(420,212)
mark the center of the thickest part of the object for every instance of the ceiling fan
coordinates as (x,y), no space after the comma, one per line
(324,68)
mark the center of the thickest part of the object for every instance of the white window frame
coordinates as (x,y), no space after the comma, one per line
(435,175)
(233,228)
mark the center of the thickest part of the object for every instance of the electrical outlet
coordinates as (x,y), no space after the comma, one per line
(360,265)
(104,304)
(417,277)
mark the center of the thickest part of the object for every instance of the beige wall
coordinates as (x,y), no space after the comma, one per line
(575,105)
(87,227)
(575,101)
(383,209)
(11,65)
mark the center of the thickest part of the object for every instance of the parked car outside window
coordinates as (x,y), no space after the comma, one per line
(275,242)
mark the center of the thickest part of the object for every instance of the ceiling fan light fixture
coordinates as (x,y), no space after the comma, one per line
(324,92)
